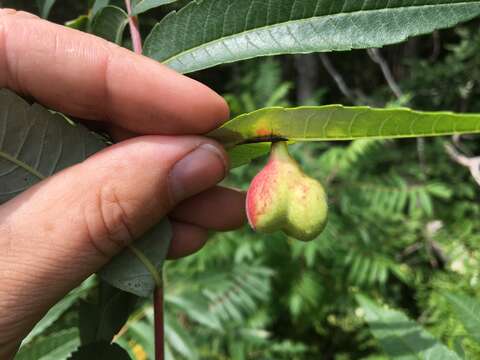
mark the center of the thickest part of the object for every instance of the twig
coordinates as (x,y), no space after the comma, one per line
(437,46)
(338,78)
(377,58)
(134,30)
(307,71)
(421,154)
(473,164)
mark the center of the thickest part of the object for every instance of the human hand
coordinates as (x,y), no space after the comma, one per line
(60,231)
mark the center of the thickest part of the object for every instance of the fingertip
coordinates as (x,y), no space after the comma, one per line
(220,110)
(219,209)
(187,239)
(202,109)
(111,83)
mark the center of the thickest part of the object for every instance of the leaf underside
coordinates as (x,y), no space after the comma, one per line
(98,5)
(137,270)
(144,5)
(212,32)
(35,144)
(109,23)
(401,337)
(244,154)
(45,6)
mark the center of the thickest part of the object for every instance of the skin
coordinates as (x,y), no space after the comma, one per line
(60,231)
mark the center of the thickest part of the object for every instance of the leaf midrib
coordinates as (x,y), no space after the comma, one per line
(148,265)
(310,19)
(21,164)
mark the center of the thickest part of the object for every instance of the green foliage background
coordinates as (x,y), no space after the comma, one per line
(404,225)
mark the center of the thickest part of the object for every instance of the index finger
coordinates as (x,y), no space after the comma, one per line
(88,77)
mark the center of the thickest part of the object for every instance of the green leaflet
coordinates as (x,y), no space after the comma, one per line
(109,23)
(179,339)
(58,310)
(144,5)
(34,144)
(80,23)
(467,310)
(212,32)
(400,337)
(333,123)
(56,346)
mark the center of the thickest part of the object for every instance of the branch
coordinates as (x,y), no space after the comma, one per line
(338,78)
(437,46)
(473,164)
(377,58)
(159,323)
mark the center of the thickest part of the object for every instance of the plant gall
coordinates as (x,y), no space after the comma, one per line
(282,197)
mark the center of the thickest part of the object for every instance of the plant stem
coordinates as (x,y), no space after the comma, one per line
(134,30)
(158,293)
(159,321)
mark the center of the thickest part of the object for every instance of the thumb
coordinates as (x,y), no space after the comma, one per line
(68,226)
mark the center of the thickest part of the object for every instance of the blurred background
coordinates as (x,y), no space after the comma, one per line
(404,216)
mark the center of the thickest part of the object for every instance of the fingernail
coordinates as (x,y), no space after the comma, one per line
(199,170)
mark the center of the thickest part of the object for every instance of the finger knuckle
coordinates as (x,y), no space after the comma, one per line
(108,221)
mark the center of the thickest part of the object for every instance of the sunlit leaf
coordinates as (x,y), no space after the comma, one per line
(211,32)
(333,123)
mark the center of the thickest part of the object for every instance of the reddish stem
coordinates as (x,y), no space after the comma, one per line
(134,30)
(158,294)
(159,327)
